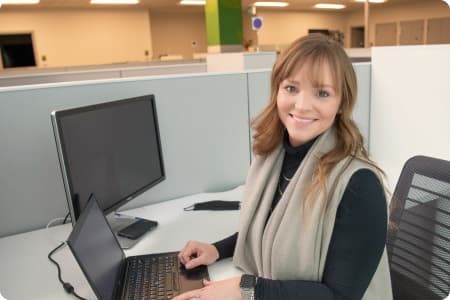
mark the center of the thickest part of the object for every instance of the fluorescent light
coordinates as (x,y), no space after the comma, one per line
(329,6)
(193,2)
(19,2)
(114,1)
(372,1)
(271,4)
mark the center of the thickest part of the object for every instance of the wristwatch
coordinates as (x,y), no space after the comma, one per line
(247,285)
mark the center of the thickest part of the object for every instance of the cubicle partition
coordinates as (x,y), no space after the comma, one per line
(204,126)
(204,133)
(52,75)
(410,105)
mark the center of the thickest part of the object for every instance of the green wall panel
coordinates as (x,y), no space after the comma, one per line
(224,22)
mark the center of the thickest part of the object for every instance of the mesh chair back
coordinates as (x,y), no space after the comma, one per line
(418,241)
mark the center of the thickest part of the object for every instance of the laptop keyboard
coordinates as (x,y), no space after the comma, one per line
(153,277)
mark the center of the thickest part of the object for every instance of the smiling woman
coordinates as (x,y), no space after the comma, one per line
(307,109)
(312,195)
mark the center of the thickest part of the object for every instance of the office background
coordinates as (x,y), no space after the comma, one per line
(403,108)
(96,35)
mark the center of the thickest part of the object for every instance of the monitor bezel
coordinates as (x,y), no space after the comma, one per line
(56,116)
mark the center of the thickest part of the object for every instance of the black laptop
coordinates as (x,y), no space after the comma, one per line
(114,276)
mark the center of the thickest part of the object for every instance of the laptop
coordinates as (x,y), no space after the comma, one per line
(114,276)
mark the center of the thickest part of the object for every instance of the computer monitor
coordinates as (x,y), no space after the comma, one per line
(111,150)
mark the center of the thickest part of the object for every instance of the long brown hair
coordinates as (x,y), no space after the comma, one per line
(314,51)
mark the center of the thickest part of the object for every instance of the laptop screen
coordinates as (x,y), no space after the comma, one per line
(97,251)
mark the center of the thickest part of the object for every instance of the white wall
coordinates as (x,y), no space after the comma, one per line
(410,105)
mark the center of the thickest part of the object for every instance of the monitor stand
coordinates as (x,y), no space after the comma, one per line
(119,223)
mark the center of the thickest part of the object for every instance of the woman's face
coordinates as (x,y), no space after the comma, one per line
(307,110)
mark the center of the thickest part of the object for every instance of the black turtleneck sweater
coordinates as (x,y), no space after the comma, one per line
(356,246)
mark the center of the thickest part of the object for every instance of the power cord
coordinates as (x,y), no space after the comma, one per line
(64,220)
(66,285)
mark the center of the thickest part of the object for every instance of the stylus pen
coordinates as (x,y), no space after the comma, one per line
(122,216)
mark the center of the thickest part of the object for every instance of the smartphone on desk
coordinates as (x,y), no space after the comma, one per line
(137,229)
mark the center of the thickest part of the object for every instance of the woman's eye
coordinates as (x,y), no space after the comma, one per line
(291,89)
(323,94)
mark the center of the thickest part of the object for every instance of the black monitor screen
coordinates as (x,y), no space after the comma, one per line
(112,150)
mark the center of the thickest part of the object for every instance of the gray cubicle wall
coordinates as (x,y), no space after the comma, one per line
(39,76)
(361,113)
(204,131)
(258,94)
(205,136)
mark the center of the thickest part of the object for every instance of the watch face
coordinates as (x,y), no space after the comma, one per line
(247,281)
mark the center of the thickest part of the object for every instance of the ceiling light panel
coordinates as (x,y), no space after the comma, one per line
(193,2)
(329,6)
(371,1)
(19,1)
(270,4)
(114,1)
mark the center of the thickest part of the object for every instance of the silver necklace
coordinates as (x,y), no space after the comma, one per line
(287,179)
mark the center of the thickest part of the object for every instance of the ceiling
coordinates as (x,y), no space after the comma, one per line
(170,5)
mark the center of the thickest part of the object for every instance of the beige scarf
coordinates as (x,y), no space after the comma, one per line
(288,247)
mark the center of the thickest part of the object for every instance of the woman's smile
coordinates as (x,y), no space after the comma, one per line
(302,121)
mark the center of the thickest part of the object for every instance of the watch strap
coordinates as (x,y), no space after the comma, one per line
(247,286)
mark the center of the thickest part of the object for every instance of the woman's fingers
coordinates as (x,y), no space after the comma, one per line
(194,262)
(206,282)
(197,253)
(188,252)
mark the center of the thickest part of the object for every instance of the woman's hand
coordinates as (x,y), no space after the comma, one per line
(215,290)
(197,253)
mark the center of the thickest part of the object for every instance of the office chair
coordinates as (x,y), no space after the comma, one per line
(418,240)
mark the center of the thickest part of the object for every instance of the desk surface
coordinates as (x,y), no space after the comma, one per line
(26,272)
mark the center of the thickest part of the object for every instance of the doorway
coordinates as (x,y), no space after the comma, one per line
(357,37)
(17,50)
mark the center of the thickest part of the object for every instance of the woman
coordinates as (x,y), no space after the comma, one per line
(314,215)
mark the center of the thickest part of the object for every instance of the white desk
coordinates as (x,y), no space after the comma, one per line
(26,272)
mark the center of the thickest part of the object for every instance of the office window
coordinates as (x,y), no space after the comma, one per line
(357,37)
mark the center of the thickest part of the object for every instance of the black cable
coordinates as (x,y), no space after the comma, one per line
(67,286)
(65,219)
